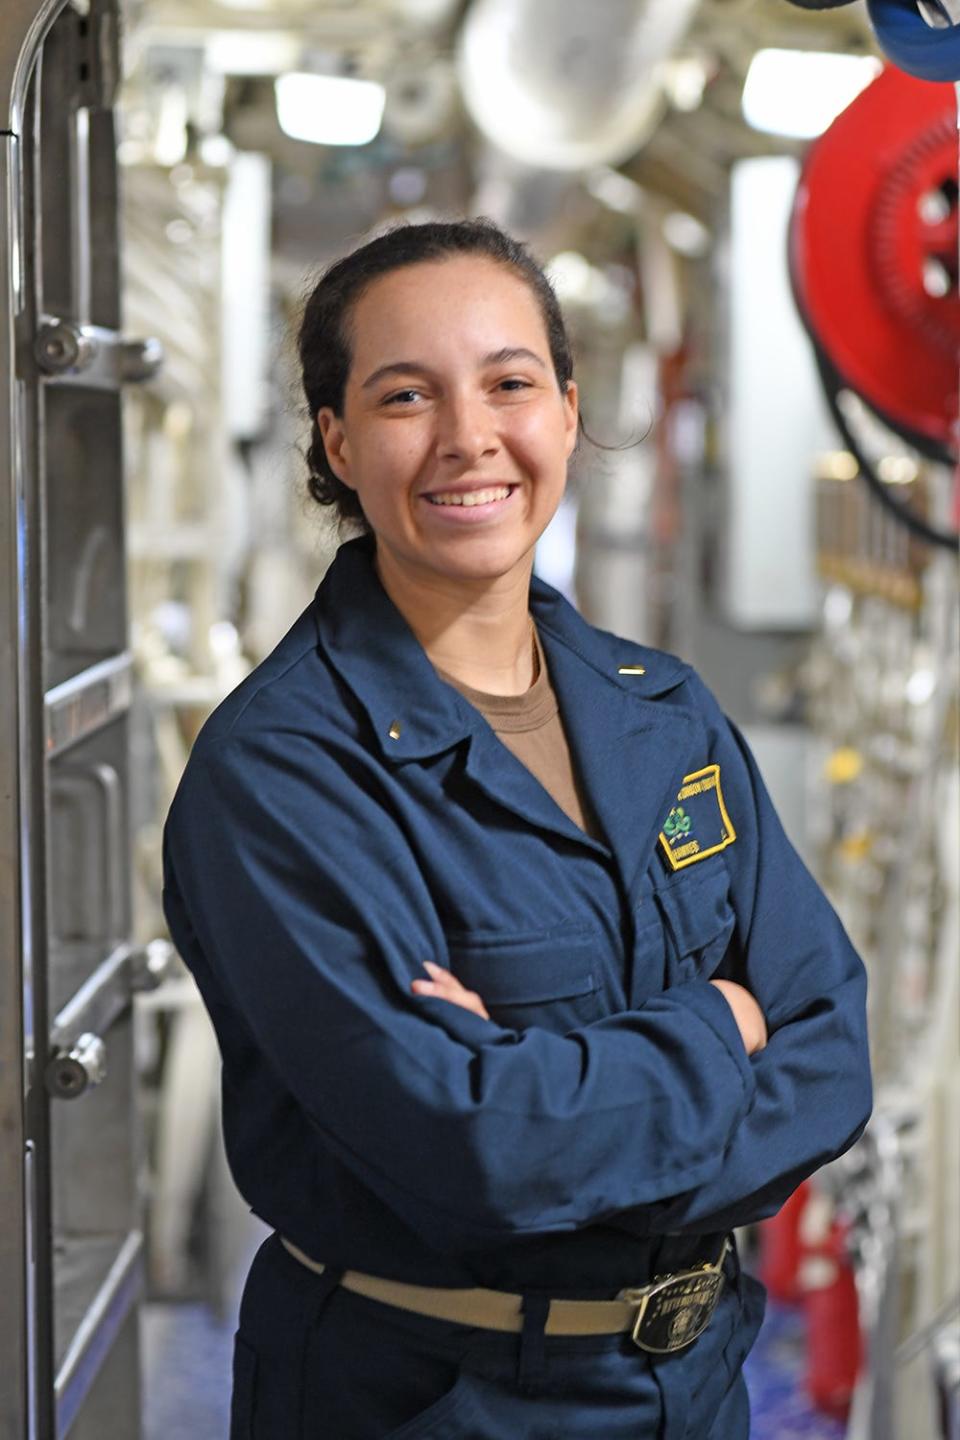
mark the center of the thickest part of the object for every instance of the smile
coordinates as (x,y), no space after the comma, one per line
(472,497)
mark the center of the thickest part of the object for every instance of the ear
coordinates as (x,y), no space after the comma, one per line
(571,416)
(335,444)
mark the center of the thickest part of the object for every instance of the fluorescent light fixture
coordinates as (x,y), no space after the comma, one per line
(329,109)
(801,92)
(250,52)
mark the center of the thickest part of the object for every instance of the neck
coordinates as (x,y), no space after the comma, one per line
(479,631)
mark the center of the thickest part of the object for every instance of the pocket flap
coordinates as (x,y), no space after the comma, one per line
(697,906)
(526,970)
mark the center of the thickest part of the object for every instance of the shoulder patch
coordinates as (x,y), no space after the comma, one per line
(698,825)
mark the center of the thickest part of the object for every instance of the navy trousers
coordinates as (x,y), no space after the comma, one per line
(314,1362)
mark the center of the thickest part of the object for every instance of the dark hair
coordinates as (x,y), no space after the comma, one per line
(324,343)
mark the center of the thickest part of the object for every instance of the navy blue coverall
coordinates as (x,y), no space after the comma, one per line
(345,815)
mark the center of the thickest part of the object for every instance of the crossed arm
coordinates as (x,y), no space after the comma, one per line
(443,985)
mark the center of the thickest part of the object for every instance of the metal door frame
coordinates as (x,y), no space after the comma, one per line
(29,1406)
(26,23)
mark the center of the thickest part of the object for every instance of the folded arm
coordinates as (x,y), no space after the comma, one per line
(312,922)
(789,949)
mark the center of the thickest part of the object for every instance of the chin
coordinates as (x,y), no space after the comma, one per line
(477,558)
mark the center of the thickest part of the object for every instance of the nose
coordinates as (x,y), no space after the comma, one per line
(466,429)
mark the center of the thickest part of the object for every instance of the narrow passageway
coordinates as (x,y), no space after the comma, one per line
(668,459)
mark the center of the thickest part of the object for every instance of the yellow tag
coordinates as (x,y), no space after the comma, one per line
(698,825)
(844,765)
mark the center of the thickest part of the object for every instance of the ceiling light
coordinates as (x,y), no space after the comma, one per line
(250,52)
(329,109)
(801,92)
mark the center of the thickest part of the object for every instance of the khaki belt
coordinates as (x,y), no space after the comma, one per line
(666,1315)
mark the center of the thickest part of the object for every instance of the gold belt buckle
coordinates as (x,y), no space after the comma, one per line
(674,1310)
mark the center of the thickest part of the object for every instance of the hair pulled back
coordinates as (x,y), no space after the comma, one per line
(324,337)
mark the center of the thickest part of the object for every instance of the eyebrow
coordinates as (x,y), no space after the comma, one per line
(420,367)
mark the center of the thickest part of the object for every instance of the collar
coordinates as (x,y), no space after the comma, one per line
(413,712)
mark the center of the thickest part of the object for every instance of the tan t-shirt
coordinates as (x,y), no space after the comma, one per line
(530,726)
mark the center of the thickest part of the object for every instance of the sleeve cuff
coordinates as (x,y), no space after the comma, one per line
(709,1005)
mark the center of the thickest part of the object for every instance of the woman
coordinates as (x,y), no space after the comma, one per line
(524,998)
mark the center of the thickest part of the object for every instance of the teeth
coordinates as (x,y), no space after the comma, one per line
(475,497)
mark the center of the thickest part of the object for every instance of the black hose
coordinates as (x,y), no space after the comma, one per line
(832,385)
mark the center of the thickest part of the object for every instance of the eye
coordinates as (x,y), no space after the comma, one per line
(513,383)
(402,397)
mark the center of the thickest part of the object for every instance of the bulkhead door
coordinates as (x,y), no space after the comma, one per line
(70,1242)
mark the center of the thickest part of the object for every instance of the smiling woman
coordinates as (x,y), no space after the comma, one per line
(467,427)
(445,412)
(508,1047)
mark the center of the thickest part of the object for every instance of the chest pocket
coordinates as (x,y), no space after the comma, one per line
(696,920)
(548,978)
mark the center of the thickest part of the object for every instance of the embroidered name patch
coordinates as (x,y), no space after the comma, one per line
(698,825)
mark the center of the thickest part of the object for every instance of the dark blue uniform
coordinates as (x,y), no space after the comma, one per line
(346,815)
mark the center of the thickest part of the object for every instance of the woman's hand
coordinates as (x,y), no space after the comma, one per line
(747,1013)
(444,986)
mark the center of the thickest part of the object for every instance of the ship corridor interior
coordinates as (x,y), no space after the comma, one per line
(749,215)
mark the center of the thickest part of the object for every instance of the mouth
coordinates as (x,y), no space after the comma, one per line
(471,507)
(471,499)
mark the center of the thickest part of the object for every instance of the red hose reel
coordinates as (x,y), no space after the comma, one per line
(874,255)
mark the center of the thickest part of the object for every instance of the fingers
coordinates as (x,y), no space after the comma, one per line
(445,986)
(442,982)
(747,1013)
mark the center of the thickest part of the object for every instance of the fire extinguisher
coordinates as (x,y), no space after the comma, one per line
(781,1248)
(834,1345)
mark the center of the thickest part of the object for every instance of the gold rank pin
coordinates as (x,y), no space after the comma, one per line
(632,670)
